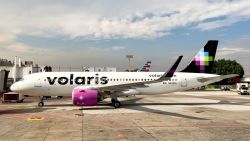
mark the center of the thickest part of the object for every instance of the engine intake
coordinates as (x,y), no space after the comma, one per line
(84,97)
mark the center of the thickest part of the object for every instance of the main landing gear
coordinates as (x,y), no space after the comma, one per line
(114,100)
(41,103)
(115,103)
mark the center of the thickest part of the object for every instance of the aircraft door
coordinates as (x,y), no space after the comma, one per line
(184,82)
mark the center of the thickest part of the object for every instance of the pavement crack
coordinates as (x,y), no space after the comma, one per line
(47,134)
(146,131)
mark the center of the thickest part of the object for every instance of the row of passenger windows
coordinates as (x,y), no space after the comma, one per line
(137,79)
(131,79)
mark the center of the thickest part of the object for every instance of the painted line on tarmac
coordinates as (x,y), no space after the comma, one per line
(35,118)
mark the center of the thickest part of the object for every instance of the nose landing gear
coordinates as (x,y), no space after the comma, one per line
(41,103)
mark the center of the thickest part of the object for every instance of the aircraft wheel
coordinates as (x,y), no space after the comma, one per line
(40,104)
(116,104)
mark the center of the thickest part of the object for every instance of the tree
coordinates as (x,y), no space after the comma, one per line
(133,70)
(224,67)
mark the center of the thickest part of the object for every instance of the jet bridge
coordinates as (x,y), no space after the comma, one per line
(3,80)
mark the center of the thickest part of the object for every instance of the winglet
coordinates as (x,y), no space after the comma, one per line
(168,74)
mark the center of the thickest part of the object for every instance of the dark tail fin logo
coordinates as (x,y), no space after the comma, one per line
(204,60)
(146,67)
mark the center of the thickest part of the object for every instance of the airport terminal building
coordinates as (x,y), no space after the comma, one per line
(18,69)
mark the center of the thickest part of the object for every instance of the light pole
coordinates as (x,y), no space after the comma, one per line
(129,57)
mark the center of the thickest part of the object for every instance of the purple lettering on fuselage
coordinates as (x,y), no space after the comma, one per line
(155,75)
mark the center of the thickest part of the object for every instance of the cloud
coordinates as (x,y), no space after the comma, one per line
(215,24)
(229,51)
(113,19)
(117,48)
(226,14)
(238,47)
(239,50)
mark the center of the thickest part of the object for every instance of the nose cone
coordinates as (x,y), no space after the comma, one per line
(14,87)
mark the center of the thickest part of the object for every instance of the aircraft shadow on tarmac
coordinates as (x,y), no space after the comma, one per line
(59,105)
(127,104)
(131,104)
(23,111)
(145,109)
(139,107)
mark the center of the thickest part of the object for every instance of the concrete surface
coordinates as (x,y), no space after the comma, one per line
(192,115)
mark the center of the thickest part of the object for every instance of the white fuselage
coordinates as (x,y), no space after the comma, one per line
(62,83)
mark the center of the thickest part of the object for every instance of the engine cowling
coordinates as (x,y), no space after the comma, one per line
(84,97)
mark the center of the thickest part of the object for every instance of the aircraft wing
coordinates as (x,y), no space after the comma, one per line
(217,78)
(166,76)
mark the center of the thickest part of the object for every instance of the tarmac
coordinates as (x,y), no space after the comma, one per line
(189,115)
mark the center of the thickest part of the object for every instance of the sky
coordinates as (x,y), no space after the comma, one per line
(89,33)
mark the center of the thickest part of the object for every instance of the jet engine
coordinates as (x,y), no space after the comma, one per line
(84,97)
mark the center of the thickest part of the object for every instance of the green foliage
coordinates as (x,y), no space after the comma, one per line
(212,87)
(5,62)
(224,67)
(133,70)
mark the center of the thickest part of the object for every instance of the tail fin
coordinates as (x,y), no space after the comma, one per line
(146,67)
(204,60)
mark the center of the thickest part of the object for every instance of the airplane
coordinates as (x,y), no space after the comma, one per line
(88,88)
(146,67)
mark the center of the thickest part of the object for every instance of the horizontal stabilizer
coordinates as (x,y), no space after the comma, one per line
(217,78)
